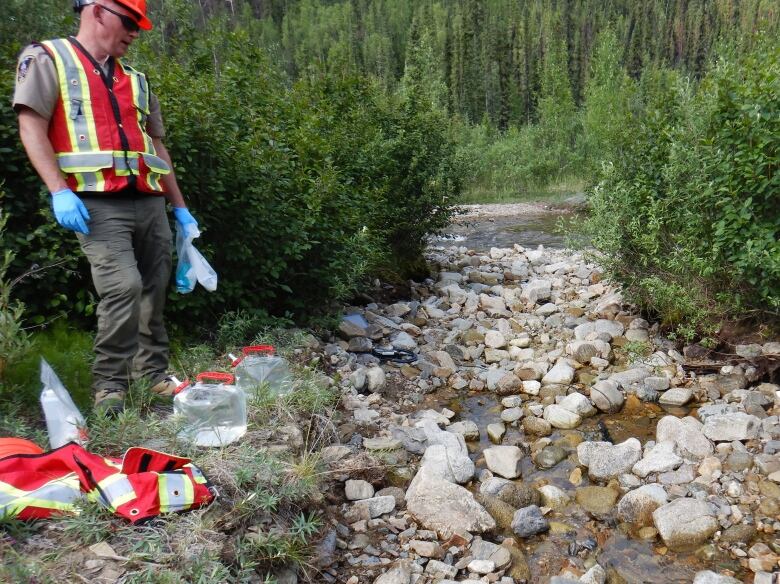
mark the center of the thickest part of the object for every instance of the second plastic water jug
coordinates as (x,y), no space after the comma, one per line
(258,365)
(213,414)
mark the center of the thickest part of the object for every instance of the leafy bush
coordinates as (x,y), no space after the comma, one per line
(687,212)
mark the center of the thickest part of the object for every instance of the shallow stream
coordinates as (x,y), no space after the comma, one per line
(626,556)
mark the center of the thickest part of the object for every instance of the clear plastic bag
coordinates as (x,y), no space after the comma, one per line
(258,365)
(63,419)
(213,414)
(192,267)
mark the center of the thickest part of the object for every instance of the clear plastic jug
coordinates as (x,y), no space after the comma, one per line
(258,365)
(214,414)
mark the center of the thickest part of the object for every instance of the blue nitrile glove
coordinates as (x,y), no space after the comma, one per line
(185,220)
(69,211)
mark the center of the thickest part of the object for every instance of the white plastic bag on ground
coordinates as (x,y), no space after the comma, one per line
(63,419)
(193,267)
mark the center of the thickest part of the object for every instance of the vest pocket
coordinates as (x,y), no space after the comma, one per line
(155,163)
(76,162)
(76,109)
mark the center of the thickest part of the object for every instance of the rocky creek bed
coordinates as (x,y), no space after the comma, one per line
(545,432)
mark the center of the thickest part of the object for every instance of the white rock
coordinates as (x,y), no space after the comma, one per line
(492,377)
(579,404)
(686,433)
(510,415)
(606,461)
(730,427)
(454,294)
(512,401)
(637,506)
(553,497)
(661,458)
(709,577)
(358,378)
(400,573)
(531,387)
(456,455)
(562,374)
(537,256)
(546,309)
(493,485)
(495,355)
(612,327)
(606,396)
(444,359)
(536,290)
(403,340)
(496,431)
(596,575)
(493,305)
(445,507)
(504,460)
(466,428)
(481,566)
(561,418)
(377,506)
(677,396)
(685,523)
(630,377)
(494,340)
(356,490)
(451,466)
(376,379)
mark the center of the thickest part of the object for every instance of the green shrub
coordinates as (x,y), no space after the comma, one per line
(686,214)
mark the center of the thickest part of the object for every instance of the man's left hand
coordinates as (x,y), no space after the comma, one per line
(185,220)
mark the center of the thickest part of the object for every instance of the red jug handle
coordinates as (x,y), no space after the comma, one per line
(181,387)
(216,376)
(269,349)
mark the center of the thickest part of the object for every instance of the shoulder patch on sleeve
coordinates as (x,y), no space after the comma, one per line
(24,67)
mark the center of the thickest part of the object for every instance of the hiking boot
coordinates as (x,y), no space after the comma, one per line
(110,402)
(166,386)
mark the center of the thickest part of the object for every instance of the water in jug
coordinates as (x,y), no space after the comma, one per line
(260,365)
(212,410)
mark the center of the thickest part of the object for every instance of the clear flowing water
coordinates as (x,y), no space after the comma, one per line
(626,556)
(618,550)
(482,233)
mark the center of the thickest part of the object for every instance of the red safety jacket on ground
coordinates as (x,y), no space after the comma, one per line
(143,484)
(98,128)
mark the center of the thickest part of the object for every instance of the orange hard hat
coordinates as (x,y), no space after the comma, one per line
(138,8)
(11,446)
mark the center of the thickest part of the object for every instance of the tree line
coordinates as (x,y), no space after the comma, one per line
(488,58)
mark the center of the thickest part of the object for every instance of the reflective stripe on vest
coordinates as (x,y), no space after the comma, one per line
(176,492)
(74,89)
(86,162)
(90,162)
(57,495)
(197,474)
(116,490)
(141,98)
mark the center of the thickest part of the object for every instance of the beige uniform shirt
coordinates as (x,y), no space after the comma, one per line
(37,87)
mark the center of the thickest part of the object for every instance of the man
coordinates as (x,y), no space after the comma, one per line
(93,131)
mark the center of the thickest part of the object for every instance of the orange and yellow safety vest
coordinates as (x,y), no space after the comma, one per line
(98,128)
(143,484)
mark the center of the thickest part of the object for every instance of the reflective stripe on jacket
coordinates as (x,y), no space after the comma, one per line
(143,484)
(98,129)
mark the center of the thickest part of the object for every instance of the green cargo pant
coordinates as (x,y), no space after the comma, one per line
(129,250)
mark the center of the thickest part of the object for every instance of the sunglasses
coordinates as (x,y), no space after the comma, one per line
(129,23)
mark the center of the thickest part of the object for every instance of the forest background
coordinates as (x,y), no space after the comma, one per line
(319,143)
